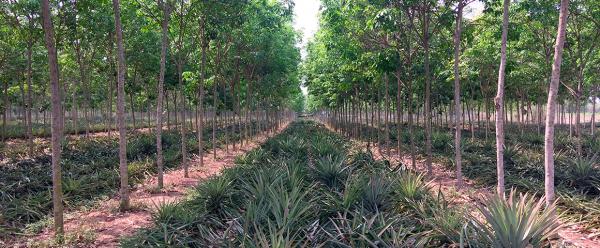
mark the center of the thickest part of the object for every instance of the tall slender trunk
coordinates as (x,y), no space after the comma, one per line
(5,110)
(111,83)
(427,109)
(457,120)
(200,122)
(539,115)
(214,120)
(175,109)
(161,81)
(82,79)
(183,124)
(413,159)
(132,105)
(387,113)
(56,115)
(569,109)
(487,118)
(179,64)
(470,114)
(593,119)
(551,105)
(378,118)
(578,117)
(28,100)
(225,119)
(74,115)
(499,103)
(398,113)
(124,189)
(166,102)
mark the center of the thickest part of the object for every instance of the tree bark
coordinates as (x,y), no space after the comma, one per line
(112,82)
(5,110)
(427,109)
(184,162)
(593,120)
(57,195)
(499,103)
(28,100)
(387,113)
(124,189)
(166,8)
(551,105)
(457,119)
(398,114)
(200,122)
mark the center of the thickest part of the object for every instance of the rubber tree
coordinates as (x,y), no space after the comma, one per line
(123,176)
(57,194)
(551,104)
(499,103)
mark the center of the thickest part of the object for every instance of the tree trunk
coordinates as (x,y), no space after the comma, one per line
(82,79)
(28,100)
(387,112)
(183,124)
(578,118)
(487,118)
(166,101)
(378,119)
(427,109)
(499,103)
(551,105)
(56,115)
(175,109)
(225,119)
(133,110)
(124,189)
(214,121)
(457,120)
(111,83)
(398,114)
(5,110)
(413,159)
(593,120)
(470,114)
(200,122)
(161,81)
(569,109)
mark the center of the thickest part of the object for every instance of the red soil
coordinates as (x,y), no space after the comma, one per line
(109,225)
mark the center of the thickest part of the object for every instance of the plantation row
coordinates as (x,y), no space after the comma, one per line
(16,129)
(90,171)
(310,187)
(577,177)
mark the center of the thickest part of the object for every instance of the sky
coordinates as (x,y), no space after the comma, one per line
(306,20)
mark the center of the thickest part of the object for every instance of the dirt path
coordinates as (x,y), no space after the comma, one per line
(571,235)
(103,226)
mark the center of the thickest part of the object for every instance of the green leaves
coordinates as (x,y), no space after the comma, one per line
(298,189)
(519,221)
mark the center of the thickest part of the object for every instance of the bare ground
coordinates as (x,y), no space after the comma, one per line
(104,225)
